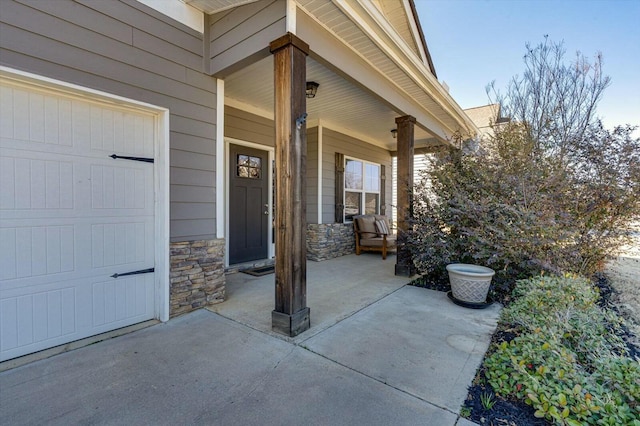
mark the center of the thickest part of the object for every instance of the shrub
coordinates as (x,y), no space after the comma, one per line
(552,190)
(567,361)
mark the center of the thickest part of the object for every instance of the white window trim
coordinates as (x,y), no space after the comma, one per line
(362,191)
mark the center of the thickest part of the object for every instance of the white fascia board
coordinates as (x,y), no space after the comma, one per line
(359,70)
(366,17)
(415,32)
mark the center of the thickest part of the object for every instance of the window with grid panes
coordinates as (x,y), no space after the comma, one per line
(361,188)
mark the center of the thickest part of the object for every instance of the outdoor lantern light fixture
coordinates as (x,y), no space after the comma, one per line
(312,88)
(394,133)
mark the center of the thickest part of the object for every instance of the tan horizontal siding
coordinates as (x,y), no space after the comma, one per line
(130,50)
(244,32)
(248,127)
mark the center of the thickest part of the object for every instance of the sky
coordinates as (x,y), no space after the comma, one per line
(475,42)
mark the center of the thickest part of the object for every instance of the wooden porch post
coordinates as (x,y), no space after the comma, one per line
(404,260)
(291,314)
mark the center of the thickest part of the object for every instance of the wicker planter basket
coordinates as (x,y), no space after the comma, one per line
(470,283)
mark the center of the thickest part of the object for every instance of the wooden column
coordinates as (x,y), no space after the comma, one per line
(291,314)
(404,260)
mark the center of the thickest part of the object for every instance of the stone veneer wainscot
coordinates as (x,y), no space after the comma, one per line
(197,275)
(329,240)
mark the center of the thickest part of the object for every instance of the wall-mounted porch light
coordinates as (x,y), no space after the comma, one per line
(394,133)
(312,88)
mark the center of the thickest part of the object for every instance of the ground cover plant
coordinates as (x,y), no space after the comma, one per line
(563,356)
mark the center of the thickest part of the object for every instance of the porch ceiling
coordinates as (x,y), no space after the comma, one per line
(339,104)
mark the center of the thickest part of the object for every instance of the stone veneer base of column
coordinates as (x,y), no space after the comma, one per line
(196,275)
(329,240)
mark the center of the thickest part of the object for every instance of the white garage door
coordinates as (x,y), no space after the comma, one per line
(71,218)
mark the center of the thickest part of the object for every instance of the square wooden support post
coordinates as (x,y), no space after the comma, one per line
(291,314)
(404,259)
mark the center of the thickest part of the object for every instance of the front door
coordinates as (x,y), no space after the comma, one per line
(248,204)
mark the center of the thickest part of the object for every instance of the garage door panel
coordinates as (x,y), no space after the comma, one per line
(120,187)
(33,118)
(117,244)
(120,299)
(120,132)
(59,312)
(32,251)
(31,183)
(37,117)
(71,217)
(38,317)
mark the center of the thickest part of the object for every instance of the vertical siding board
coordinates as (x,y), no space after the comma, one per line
(92,44)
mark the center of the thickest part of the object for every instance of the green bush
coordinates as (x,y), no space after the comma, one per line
(567,361)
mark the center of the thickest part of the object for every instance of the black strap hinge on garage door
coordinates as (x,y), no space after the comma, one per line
(141,271)
(143,159)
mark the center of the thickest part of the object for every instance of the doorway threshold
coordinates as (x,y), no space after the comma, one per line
(239,267)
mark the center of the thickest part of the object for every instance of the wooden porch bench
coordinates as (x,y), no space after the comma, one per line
(372,236)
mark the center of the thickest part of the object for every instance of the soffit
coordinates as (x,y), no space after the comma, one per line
(338,105)
(395,12)
(365,34)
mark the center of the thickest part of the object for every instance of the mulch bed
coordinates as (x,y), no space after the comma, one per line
(510,412)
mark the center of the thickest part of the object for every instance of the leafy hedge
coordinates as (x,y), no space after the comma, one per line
(567,360)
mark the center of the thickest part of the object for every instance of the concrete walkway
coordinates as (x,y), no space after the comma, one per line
(389,354)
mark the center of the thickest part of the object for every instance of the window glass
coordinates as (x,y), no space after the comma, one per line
(362,188)
(249,167)
(352,207)
(371,203)
(353,174)
(372,175)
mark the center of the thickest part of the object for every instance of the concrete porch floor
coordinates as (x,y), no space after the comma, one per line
(379,352)
(336,289)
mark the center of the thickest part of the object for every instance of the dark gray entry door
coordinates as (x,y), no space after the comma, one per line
(248,204)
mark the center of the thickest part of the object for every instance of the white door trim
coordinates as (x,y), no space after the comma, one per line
(271,252)
(161,166)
